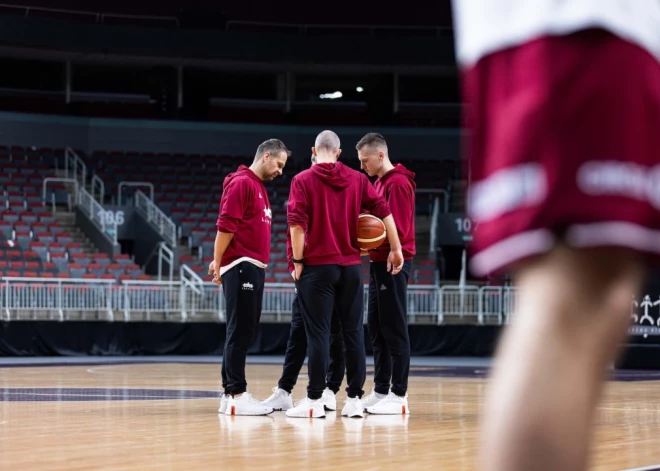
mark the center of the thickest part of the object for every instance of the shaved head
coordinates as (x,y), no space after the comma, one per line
(327,141)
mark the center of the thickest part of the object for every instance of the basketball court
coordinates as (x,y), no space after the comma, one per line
(161,413)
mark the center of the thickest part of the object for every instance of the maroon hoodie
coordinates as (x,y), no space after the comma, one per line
(245,212)
(398,187)
(325,201)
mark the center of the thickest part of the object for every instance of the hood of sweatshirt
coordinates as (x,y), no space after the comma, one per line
(334,175)
(400,169)
(242,170)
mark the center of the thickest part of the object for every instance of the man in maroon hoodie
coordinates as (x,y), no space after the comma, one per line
(388,313)
(242,250)
(324,205)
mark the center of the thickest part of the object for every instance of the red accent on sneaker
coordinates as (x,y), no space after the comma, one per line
(403,409)
(233,410)
(311,413)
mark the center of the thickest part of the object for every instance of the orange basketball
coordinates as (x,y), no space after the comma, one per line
(371,232)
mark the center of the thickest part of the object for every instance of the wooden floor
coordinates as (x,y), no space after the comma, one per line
(164,417)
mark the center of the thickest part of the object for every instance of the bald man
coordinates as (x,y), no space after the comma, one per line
(324,205)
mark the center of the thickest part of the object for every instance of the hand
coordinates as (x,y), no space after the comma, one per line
(395,261)
(214,269)
(293,275)
(299,269)
(364,253)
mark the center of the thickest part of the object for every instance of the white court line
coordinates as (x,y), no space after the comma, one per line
(645,468)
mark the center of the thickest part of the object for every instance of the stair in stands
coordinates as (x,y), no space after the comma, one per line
(68,222)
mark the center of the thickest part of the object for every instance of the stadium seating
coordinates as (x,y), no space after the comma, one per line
(32,241)
(188,188)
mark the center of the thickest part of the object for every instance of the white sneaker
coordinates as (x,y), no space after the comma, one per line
(224,399)
(279,400)
(245,404)
(391,405)
(373,399)
(329,400)
(353,407)
(307,408)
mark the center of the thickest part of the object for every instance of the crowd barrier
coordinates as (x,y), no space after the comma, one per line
(84,299)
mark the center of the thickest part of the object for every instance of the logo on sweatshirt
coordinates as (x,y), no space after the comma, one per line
(248,287)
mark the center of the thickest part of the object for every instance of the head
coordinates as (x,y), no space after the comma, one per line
(372,153)
(270,159)
(313,159)
(326,147)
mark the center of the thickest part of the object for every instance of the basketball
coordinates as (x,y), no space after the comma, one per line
(371,232)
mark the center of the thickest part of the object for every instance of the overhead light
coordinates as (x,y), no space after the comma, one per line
(359,89)
(331,96)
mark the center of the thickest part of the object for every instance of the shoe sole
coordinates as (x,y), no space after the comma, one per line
(404,411)
(232,411)
(329,409)
(309,415)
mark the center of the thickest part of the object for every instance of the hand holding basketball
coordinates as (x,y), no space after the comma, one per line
(371,232)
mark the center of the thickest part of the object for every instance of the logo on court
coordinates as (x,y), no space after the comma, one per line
(248,287)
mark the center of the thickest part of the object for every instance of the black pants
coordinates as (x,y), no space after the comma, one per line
(296,351)
(243,286)
(387,318)
(321,289)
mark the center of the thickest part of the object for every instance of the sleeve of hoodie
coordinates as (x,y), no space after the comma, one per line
(401,197)
(372,201)
(289,252)
(297,207)
(233,203)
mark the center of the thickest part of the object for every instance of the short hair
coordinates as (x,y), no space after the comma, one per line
(327,140)
(273,146)
(372,140)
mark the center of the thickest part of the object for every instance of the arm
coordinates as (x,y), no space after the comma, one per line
(401,199)
(372,202)
(297,208)
(233,205)
(392,234)
(298,220)
(298,247)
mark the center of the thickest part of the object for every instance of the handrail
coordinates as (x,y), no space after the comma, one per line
(304,28)
(436,191)
(165,255)
(434,227)
(75,162)
(132,183)
(96,181)
(99,17)
(192,281)
(96,213)
(157,218)
(57,179)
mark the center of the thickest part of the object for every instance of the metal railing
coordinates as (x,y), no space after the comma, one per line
(157,218)
(165,255)
(48,180)
(184,301)
(192,291)
(103,219)
(134,184)
(74,166)
(371,30)
(98,17)
(97,182)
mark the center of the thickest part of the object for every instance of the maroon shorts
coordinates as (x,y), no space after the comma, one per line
(564,144)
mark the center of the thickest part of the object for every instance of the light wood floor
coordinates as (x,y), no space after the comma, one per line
(44,429)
